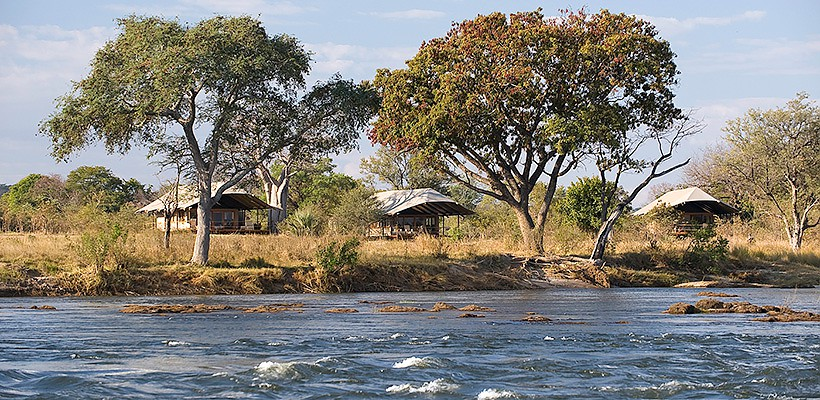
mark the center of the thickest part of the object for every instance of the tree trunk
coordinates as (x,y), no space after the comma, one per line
(603,234)
(202,245)
(532,234)
(167,240)
(277,196)
(795,236)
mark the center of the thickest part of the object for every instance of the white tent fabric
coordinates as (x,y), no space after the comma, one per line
(425,200)
(188,198)
(678,197)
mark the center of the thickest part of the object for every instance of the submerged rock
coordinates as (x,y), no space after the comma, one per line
(401,309)
(682,308)
(468,315)
(173,309)
(535,318)
(44,307)
(790,316)
(473,307)
(441,306)
(716,294)
(717,306)
(342,310)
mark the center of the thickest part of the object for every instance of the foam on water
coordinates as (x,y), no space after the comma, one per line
(175,343)
(277,370)
(491,394)
(437,386)
(414,362)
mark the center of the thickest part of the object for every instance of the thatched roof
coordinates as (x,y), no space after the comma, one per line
(188,198)
(419,202)
(692,200)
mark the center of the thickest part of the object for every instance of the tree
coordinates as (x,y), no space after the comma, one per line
(327,120)
(503,101)
(158,74)
(622,154)
(35,203)
(400,169)
(582,204)
(319,186)
(100,186)
(774,154)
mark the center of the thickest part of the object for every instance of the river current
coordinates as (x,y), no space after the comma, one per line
(607,343)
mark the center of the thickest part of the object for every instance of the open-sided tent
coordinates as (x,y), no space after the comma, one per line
(414,211)
(231,214)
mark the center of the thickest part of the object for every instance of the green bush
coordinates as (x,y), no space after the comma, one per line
(707,250)
(103,248)
(333,257)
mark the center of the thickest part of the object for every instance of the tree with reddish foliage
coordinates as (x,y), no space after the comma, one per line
(503,101)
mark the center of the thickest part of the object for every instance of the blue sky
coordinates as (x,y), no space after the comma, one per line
(732,55)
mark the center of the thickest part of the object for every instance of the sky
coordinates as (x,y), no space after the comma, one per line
(733,55)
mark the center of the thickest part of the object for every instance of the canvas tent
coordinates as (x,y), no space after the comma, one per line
(697,207)
(411,212)
(233,213)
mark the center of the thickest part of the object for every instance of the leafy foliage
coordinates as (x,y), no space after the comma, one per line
(159,73)
(581,204)
(335,256)
(503,100)
(706,251)
(771,162)
(355,212)
(302,222)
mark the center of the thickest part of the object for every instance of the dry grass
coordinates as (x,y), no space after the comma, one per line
(262,263)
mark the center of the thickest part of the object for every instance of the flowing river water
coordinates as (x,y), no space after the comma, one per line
(607,343)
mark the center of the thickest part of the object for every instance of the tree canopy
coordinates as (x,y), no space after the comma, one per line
(502,101)
(773,156)
(160,83)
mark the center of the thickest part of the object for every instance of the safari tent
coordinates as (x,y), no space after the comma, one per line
(408,213)
(696,206)
(236,211)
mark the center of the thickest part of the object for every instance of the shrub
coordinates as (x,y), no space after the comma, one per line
(103,247)
(302,222)
(706,251)
(333,257)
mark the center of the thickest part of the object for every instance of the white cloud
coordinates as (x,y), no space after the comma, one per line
(673,26)
(36,59)
(760,56)
(209,7)
(356,62)
(410,14)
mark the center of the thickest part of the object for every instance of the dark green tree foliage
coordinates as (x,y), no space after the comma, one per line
(356,210)
(319,186)
(504,101)
(100,187)
(581,204)
(36,203)
(160,83)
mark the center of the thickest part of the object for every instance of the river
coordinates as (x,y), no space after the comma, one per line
(601,343)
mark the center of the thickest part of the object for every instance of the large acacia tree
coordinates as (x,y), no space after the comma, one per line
(503,101)
(160,83)
(774,156)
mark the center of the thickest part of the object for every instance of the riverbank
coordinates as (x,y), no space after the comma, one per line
(503,272)
(52,265)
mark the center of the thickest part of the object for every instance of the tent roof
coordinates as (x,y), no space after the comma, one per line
(419,202)
(231,198)
(691,199)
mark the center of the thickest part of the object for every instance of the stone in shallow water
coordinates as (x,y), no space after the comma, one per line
(682,308)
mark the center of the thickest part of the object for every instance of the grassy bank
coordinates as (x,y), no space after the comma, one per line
(39,264)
